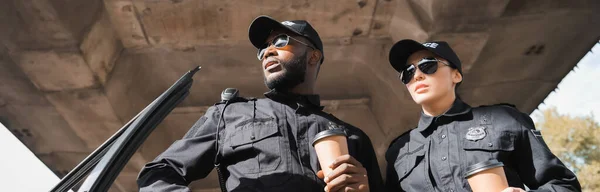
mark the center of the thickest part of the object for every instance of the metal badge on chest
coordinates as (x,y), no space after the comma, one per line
(476,133)
(479,132)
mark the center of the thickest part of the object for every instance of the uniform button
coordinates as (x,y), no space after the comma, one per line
(252,137)
(444,158)
(443,136)
(451,190)
(490,144)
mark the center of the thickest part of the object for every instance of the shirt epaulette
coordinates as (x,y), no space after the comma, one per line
(500,104)
(237,100)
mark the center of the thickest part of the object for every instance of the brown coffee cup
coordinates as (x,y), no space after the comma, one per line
(330,144)
(487,176)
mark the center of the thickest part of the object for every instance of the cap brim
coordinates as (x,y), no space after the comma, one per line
(261,28)
(401,51)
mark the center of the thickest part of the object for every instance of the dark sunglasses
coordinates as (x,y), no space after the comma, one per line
(427,65)
(279,41)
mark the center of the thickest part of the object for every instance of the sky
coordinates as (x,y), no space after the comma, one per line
(576,95)
(579,92)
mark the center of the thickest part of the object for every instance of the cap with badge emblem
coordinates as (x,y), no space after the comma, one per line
(403,49)
(262,26)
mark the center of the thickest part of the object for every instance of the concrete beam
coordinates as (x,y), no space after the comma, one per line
(334,105)
(357,112)
(382,17)
(126,181)
(404,24)
(77,16)
(541,7)
(457,15)
(145,76)
(62,162)
(89,114)
(15,87)
(26,112)
(390,103)
(41,128)
(11,26)
(521,96)
(184,24)
(43,27)
(51,24)
(124,18)
(91,117)
(529,43)
(55,71)
(101,48)
(20,91)
(467,46)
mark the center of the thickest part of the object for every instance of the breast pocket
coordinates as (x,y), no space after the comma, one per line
(256,146)
(495,145)
(406,164)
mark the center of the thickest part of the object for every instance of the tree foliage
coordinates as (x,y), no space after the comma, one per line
(576,141)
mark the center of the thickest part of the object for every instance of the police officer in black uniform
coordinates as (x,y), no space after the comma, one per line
(265,144)
(452,136)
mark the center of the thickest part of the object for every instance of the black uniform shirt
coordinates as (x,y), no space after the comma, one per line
(435,155)
(265,146)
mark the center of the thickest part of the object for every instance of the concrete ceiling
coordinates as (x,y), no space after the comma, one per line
(72,72)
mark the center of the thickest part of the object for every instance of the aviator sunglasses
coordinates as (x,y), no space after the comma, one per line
(427,65)
(279,41)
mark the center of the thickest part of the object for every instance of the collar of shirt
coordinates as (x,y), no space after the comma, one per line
(312,101)
(458,108)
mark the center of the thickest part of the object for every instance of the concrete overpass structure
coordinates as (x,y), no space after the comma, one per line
(74,71)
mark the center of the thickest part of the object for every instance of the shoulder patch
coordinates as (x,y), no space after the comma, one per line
(537,133)
(538,137)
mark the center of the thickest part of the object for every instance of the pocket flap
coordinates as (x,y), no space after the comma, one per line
(253,132)
(495,141)
(408,161)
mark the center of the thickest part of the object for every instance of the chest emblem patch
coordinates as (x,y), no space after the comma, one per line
(476,133)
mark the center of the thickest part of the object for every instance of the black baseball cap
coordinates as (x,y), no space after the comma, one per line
(263,25)
(403,49)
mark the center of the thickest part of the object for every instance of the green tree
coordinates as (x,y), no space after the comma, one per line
(576,141)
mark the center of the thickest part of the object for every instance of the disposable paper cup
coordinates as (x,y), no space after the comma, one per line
(330,144)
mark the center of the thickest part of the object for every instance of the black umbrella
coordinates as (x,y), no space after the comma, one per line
(109,159)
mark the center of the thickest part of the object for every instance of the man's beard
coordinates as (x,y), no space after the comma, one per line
(293,75)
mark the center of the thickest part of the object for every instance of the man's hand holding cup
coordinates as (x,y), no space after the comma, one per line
(340,171)
(347,175)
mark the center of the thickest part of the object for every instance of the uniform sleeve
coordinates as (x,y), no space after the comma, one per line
(538,167)
(371,164)
(391,178)
(391,181)
(365,154)
(186,160)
